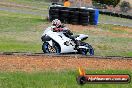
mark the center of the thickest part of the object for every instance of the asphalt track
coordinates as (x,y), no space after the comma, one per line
(62,55)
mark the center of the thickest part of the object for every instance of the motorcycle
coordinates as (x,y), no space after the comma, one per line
(57,42)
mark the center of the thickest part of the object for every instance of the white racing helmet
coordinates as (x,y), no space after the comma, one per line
(56,23)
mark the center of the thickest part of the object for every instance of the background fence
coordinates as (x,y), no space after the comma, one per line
(116,14)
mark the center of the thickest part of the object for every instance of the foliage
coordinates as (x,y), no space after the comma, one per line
(107,2)
(125,6)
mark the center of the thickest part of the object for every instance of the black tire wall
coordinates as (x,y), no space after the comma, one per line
(75,16)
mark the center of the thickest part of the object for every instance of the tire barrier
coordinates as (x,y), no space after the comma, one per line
(53,14)
(64,16)
(74,17)
(115,14)
(84,17)
(77,16)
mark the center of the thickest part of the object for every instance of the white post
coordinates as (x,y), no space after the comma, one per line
(80,1)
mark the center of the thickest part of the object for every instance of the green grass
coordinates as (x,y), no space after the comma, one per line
(55,79)
(19,32)
(111,28)
(34,6)
(117,45)
(35,3)
(22,32)
(110,42)
(18,23)
(29,1)
(114,19)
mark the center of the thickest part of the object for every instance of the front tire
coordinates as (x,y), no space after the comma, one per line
(50,49)
(89,51)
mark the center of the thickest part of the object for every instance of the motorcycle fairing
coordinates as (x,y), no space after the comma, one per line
(60,38)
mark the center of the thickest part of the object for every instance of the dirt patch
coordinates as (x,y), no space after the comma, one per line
(123,28)
(42,63)
(98,31)
(78,28)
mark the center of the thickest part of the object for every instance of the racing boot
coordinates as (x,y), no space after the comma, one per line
(78,43)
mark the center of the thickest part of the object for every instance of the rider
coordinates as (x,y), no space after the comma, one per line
(58,27)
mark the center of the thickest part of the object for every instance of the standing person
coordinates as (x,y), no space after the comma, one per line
(67,3)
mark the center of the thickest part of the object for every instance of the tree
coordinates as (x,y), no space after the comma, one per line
(107,2)
(54,0)
(125,6)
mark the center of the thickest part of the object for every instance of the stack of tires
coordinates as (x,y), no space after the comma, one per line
(74,16)
(93,16)
(54,13)
(64,15)
(129,17)
(84,17)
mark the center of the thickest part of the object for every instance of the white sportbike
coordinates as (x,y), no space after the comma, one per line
(57,42)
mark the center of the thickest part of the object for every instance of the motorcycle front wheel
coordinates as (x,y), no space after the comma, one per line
(90,50)
(50,49)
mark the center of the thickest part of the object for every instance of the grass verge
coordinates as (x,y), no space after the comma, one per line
(33,3)
(55,79)
(20,32)
(105,18)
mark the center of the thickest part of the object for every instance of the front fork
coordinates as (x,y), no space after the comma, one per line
(50,43)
